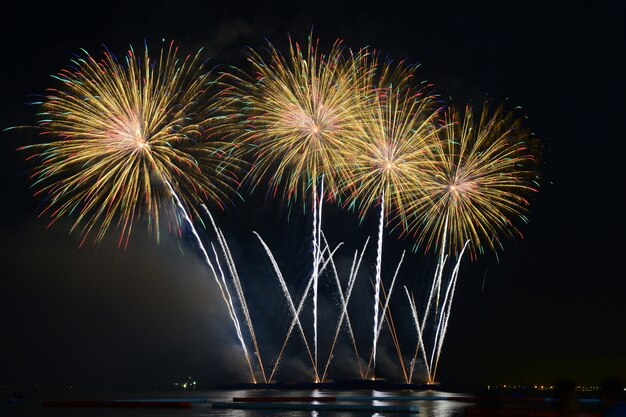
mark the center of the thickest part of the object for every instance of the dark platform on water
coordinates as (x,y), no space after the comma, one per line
(344,385)
(315,407)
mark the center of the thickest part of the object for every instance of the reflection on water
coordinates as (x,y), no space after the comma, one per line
(33,408)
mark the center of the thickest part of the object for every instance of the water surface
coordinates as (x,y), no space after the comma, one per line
(33,407)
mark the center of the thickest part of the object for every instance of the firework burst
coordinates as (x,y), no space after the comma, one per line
(301,111)
(398,126)
(482,173)
(122,131)
(397,138)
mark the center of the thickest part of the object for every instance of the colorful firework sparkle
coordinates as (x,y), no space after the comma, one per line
(302,111)
(482,172)
(122,131)
(131,136)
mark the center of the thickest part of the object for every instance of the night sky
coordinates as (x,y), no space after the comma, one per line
(552,307)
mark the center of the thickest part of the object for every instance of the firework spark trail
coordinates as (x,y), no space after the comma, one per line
(319,245)
(225,295)
(454,278)
(317,226)
(412,368)
(387,298)
(431,296)
(431,293)
(352,278)
(230,263)
(241,297)
(426,313)
(441,265)
(446,301)
(344,309)
(394,336)
(384,312)
(299,310)
(344,301)
(420,339)
(283,286)
(231,310)
(379,256)
(229,300)
(291,326)
(437,330)
(314,273)
(414,360)
(355,266)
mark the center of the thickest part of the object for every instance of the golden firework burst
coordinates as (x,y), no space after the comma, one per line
(483,171)
(300,112)
(398,132)
(124,131)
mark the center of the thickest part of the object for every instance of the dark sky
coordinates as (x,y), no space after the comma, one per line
(553,306)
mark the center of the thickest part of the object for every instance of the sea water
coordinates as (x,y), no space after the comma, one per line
(32,406)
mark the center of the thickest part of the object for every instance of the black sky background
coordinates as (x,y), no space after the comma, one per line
(553,307)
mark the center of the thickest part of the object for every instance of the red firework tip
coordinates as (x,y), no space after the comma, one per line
(119,242)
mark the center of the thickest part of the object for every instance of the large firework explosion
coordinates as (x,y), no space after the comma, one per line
(301,112)
(124,131)
(139,139)
(380,166)
(483,171)
(397,138)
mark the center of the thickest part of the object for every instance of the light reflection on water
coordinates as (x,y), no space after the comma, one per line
(426,408)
